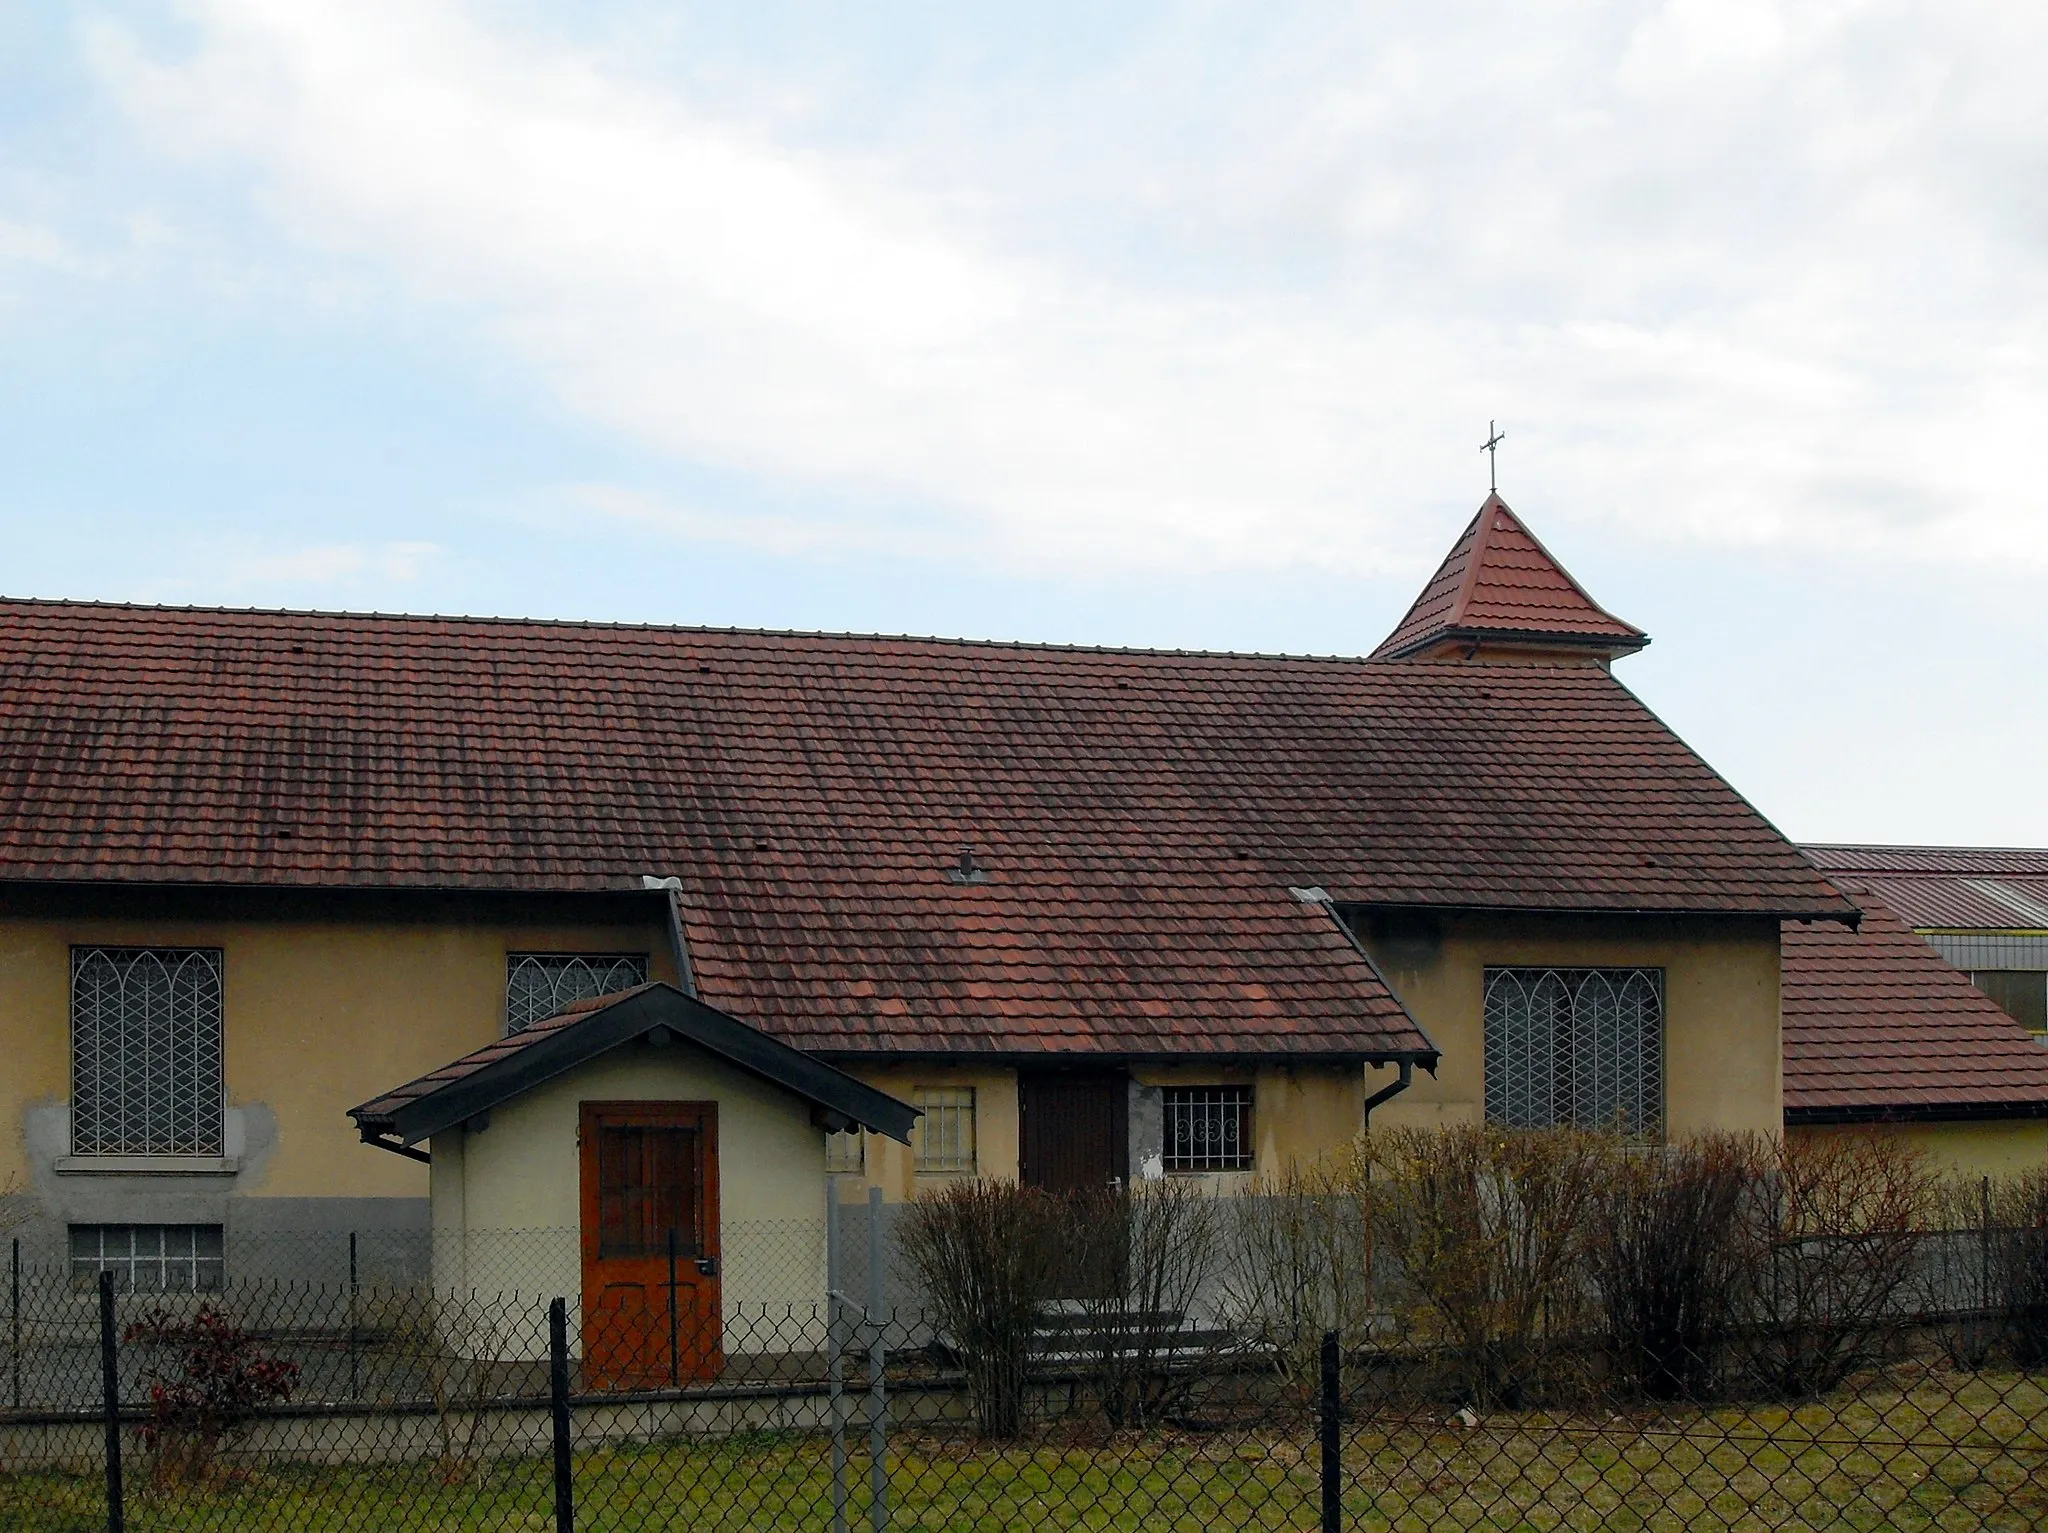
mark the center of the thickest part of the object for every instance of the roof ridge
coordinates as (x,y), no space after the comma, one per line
(620,625)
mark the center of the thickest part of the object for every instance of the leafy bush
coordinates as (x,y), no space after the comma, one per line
(989,1256)
(1666,1257)
(1491,1229)
(221,1379)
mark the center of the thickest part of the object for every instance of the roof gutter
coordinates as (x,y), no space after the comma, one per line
(383,1141)
(1934,1112)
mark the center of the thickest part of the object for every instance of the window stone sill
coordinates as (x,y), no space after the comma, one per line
(148,1165)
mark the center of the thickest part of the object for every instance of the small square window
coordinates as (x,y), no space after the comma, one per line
(148,1258)
(845,1153)
(1208,1128)
(943,1139)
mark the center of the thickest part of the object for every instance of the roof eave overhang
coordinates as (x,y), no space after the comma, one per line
(1612,645)
(1916,1112)
(1087,1059)
(1845,914)
(658,1006)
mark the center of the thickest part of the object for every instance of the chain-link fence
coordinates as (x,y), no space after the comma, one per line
(835,1383)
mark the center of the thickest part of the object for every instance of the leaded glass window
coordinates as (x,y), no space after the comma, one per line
(146,1072)
(1208,1128)
(1576,1047)
(542,985)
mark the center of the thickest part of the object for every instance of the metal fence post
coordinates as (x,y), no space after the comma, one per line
(355,1362)
(1333,1441)
(878,1398)
(110,1402)
(14,1323)
(558,1410)
(835,1359)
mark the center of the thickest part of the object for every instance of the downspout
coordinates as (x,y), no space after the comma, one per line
(1385,1093)
(678,945)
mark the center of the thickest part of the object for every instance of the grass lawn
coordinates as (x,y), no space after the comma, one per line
(1954,1452)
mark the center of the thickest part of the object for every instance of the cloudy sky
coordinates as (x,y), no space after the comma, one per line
(1150,324)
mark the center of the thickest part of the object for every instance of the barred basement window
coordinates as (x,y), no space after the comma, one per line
(146,1051)
(1576,1047)
(845,1153)
(1208,1128)
(542,985)
(148,1258)
(943,1139)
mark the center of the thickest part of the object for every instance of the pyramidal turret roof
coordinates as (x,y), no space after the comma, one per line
(1498,585)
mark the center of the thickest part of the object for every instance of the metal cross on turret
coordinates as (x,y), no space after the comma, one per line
(1492,451)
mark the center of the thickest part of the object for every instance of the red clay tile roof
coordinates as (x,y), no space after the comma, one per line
(1499,582)
(1141,815)
(1877,1024)
(1933,888)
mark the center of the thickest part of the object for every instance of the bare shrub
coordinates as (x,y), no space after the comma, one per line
(1666,1257)
(2016,1261)
(1142,1255)
(1299,1264)
(1833,1230)
(1952,1282)
(1490,1228)
(988,1255)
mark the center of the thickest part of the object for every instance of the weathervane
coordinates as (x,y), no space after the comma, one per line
(1492,451)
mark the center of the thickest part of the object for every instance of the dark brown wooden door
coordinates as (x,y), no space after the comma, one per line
(1075,1129)
(651,1313)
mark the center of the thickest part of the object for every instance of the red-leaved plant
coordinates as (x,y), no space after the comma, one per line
(221,1378)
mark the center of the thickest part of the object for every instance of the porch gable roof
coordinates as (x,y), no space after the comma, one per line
(503,1069)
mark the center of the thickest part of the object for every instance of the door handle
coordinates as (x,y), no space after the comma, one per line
(707,1266)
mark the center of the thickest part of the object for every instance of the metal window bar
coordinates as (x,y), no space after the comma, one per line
(943,1139)
(149,1258)
(543,985)
(146,1051)
(1208,1128)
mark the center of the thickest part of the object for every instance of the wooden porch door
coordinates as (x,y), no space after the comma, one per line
(1074,1128)
(651,1312)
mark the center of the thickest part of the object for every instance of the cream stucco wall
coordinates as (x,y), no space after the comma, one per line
(318,1016)
(892,1167)
(1299,1115)
(1721,1034)
(1996,1149)
(507,1198)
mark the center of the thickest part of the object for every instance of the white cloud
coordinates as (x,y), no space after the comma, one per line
(327,564)
(1240,295)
